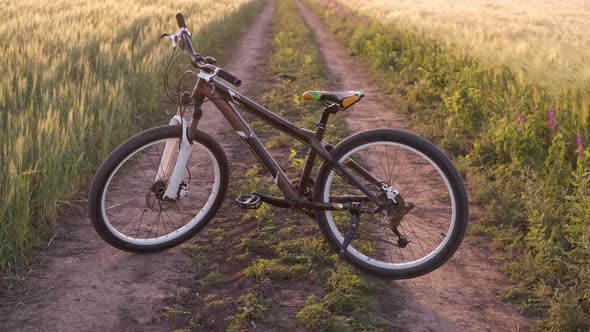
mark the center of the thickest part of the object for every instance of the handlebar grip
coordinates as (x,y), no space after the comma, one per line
(229,77)
(180,20)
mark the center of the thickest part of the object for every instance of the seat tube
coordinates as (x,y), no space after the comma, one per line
(319,134)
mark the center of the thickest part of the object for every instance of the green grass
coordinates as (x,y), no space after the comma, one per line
(250,308)
(345,306)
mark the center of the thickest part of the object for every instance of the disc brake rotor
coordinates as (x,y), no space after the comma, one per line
(154,198)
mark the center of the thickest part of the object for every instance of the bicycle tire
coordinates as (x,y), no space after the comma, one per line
(128,149)
(422,147)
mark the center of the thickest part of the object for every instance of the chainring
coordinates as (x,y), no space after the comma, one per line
(308,193)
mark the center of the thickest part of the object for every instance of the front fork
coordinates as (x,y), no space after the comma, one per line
(165,170)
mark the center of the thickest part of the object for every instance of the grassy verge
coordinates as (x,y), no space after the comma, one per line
(55,129)
(272,268)
(521,146)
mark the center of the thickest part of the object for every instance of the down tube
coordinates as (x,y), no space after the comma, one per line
(256,146)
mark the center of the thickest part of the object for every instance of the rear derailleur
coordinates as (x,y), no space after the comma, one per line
(395,209)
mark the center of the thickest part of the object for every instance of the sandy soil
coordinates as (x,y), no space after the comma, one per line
(462,295)
(83,284)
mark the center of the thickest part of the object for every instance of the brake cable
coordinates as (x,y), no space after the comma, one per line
(171,62)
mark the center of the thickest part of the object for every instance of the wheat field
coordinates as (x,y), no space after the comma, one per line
(76,75)
(544,41)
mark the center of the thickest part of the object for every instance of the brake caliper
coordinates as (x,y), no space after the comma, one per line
(183,190)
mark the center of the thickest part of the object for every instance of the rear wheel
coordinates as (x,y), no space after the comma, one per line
(426,208)
(126,202)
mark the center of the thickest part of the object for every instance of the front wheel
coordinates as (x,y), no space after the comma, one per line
(425,211)
(127,204)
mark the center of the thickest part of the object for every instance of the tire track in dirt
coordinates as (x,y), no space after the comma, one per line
(462,295)
(86,285)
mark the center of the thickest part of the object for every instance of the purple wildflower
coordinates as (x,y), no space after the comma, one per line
(520,123)
(551,120)
(580,146)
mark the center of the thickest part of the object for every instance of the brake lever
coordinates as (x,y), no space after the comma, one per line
(177,37)
(174,39)
(208,77)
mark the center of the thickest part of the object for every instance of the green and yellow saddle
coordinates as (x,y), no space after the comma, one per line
(343,98)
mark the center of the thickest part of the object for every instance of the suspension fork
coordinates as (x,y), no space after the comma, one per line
(186,147)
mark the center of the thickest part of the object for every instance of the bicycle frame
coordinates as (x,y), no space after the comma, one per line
(223,97)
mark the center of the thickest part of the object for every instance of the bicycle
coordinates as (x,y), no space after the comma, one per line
(163,185)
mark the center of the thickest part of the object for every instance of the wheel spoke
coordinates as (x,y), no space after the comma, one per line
(119,204)
(379,239)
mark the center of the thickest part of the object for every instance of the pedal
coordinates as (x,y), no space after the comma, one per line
(249,202)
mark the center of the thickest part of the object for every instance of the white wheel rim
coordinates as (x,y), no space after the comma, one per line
(375,262)
(178,232)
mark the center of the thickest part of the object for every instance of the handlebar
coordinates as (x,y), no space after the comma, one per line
(180,20)
(229,77)
(197,59)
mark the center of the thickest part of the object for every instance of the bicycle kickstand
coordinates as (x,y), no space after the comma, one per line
(354,223)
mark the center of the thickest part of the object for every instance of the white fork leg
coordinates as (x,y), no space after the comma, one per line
(185,151)
(165,168)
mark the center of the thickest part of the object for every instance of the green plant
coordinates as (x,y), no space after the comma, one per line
(267,268)
(520,144)
(249,308)
(344,306)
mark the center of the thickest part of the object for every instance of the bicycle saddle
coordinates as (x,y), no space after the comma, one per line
(343,98)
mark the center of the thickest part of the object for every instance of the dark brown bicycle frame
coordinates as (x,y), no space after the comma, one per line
(223,96)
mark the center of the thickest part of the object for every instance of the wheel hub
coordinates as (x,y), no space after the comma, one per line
(155,200)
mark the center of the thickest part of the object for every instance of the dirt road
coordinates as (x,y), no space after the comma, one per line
(463,295)
(86,285)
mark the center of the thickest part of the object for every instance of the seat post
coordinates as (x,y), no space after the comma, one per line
(322,124)
(319,134)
